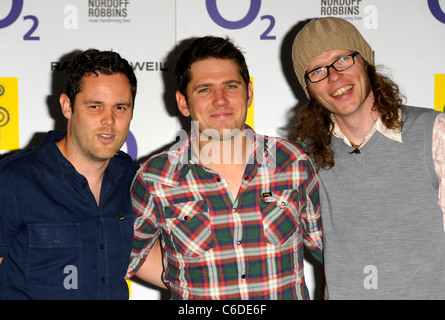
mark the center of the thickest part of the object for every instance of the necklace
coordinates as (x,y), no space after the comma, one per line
(356,146)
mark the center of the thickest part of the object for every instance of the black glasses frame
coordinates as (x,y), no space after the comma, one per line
(306,75)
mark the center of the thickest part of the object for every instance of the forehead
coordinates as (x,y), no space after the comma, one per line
(211,68)
(101,80)
(327,57)
(102,87)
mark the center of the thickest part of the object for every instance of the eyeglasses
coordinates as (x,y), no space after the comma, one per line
(341,64)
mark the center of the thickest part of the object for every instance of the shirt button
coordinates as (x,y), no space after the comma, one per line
(246,178)
(238,242)
(243,276)
(103,280)
(84,185)
(218,179)
(186,218)
(102,246)
(56,241)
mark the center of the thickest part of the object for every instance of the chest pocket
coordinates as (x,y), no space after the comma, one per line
(189,227)
(280,216)
(53,248)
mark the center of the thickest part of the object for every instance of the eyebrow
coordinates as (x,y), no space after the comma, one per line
(90,101)
(210,84)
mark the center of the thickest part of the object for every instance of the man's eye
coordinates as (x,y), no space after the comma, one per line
(318,71)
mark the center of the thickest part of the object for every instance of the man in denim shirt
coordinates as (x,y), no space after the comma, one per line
(66,225)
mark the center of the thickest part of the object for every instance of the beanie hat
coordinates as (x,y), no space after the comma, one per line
(324,34)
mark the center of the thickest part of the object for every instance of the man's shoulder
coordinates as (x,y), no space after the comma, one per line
(162,164)
(20,159)
(123,157)
(125,161)
(292,149)
(284,154)
(418,111)
(413,116)
(161,160)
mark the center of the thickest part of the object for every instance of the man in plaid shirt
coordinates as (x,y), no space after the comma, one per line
(232,208)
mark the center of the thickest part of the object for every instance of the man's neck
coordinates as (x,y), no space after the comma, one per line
(228,158)
(356,125)
(92,170)
(233,150)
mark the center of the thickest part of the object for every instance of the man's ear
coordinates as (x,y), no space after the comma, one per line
(182,104)
(65,104)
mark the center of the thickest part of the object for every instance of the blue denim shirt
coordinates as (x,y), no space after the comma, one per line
(56,242)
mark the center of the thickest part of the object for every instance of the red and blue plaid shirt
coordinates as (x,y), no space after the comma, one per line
(217,247)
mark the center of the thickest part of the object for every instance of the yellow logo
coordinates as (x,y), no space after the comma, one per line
(9,114)
(251,111)
(439,92)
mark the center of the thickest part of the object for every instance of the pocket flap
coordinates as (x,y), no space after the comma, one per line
(185,209)
(54,235)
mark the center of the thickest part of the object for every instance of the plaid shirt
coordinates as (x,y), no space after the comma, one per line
(217,247)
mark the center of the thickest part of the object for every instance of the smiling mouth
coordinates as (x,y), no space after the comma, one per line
(221,115)
(342,91)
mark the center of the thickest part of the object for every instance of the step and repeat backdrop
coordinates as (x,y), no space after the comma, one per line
(39,37)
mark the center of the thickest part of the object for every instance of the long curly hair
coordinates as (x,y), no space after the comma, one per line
(314,125)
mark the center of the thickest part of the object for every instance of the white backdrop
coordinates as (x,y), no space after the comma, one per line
(38,37)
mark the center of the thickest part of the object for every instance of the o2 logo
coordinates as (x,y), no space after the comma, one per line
(13,15)
(436,10)
(132,146)
(251,15)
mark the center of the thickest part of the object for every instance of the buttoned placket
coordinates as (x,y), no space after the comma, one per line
(101,249)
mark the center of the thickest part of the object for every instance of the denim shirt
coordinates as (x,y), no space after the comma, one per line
(56,242)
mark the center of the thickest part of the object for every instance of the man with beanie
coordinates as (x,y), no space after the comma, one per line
(381,166)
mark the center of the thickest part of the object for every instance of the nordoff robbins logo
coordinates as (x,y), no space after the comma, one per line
(340,8)
(108,10)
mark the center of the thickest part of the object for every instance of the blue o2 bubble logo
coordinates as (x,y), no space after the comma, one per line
(436,10)
(13,15)
(254,10)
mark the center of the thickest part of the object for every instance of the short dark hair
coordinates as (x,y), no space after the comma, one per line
(205,48)
(93,61)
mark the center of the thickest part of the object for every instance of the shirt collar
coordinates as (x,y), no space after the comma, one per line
(186,154)
(56,163)
(395,135)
